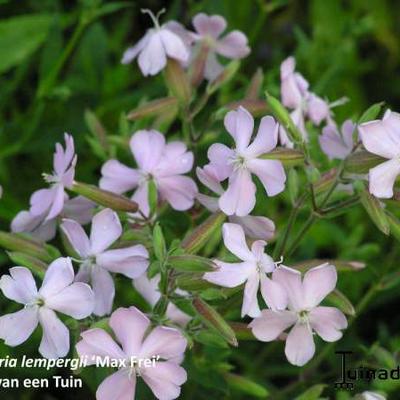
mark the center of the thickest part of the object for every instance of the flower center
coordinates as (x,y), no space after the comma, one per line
(303,316)
(237,161)
(38,302)
(51,178)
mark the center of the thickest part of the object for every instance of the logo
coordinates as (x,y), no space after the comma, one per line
(349,376)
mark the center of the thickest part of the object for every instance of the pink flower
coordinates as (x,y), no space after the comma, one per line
(304,313)
(58,293)
(148,289)
(50,202)
(232,46)
(253,270)
(368,395)
(256,227)
(238,164)
(98,262)
(164,163)
(132,330)
(79,209)
(155,47)
(382,137)
(335,144)
(296,96)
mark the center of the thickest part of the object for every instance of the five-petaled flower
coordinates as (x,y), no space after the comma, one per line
(132,330)
(382,137)
(245,159)
(252,270)
(304,312)
(97,260)
(164,163)
(58,292)
(155,47)
(232,46)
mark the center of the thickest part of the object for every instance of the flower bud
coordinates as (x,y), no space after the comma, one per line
(191,263)
(214,321)
(154,108)
(256,107)
(339,300)
(34,264)
(198,65)
(177,81)
(104,198)
(200,236)
(18,243)
(288,157)
(361,162)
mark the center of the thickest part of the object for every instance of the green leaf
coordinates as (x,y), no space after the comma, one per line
(313,393)
(214,321)
(209,338)
(371,113)
(339,300)
(245,385)
(191,263)
(20,37)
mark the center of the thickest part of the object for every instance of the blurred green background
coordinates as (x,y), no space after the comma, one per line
(59,59)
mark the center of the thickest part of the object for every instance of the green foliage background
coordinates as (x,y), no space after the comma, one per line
(59,59)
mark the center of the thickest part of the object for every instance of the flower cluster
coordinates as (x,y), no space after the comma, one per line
(126,242)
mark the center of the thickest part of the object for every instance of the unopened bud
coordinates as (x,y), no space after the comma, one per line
(154,108)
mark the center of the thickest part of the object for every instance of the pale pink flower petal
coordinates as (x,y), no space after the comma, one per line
(273,294)
(271,324)
(335,145)
(328,323)
(76,300)
(41,201)
(233,45)
(212,25)
(250,303)
(377,140)
(318,282)
(118,386)
(229,274)
(131,52)
(141,197)
(104,290)
(147,148)
(271,174)
(174,45)
(240,125)
(19,285)
(59,275)
(240,197)
(16,328)
(179,191)
(106,229)
(76,236)
(165,379)
(80,209)
(176,160)
(290,280)
(57,202)
(211,203)
(166,342)
(129,326)
(382,178)
(318,109)
(98,343)
(235,241)
(208,176)
(219,154)
(300,347)
(266,139)
(152,59)
(118,178)
(55,339)
(255,227)
(130,261)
